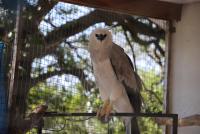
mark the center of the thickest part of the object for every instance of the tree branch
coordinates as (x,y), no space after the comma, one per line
(73,27)
(152,93)
(132,50)
(43,7)
(69,70)
(58,35)
(98,16)
(34,118)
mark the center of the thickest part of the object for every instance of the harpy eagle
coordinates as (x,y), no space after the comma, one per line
(118,83)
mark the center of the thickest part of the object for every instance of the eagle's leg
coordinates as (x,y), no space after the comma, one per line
(108,110)
(104,112)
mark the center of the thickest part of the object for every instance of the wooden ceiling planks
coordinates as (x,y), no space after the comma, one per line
(148,8)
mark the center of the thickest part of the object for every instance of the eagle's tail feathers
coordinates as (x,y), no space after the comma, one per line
(132,127)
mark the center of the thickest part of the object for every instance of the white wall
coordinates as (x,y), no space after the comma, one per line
(185,66)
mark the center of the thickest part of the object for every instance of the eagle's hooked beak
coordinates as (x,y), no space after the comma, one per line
(100,37)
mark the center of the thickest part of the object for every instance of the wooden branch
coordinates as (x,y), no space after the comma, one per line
(78,72)
(134,26)
(57,36)
(34,119)
(42,8)
(193,120)
(132,50)
(76,26)
(148,8)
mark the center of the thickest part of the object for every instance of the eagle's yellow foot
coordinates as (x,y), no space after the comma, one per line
(104,112)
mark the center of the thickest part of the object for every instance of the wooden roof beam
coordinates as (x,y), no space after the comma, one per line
(148,8)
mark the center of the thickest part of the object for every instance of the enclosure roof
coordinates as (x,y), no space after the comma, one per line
(182,1)
(149,8)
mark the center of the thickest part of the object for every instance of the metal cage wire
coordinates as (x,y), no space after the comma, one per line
(53,65)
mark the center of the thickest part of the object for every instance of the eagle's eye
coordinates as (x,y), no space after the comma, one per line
(100,37)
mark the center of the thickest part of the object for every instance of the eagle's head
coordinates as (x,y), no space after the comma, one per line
(100,38)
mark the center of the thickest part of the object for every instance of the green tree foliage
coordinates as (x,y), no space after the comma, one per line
(53,65)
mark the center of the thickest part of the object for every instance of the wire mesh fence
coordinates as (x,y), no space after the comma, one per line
(7,24)
(53,65)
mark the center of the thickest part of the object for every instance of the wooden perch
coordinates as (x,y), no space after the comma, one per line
(193,120)
(35,118)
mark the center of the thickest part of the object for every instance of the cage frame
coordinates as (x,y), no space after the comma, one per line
(174,117)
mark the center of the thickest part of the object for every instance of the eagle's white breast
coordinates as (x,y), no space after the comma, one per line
(105,78)
(110,87)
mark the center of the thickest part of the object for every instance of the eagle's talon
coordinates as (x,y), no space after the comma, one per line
(104,112)
(99,113)
(108,110)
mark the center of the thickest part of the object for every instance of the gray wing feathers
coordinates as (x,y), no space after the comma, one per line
(124,71)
